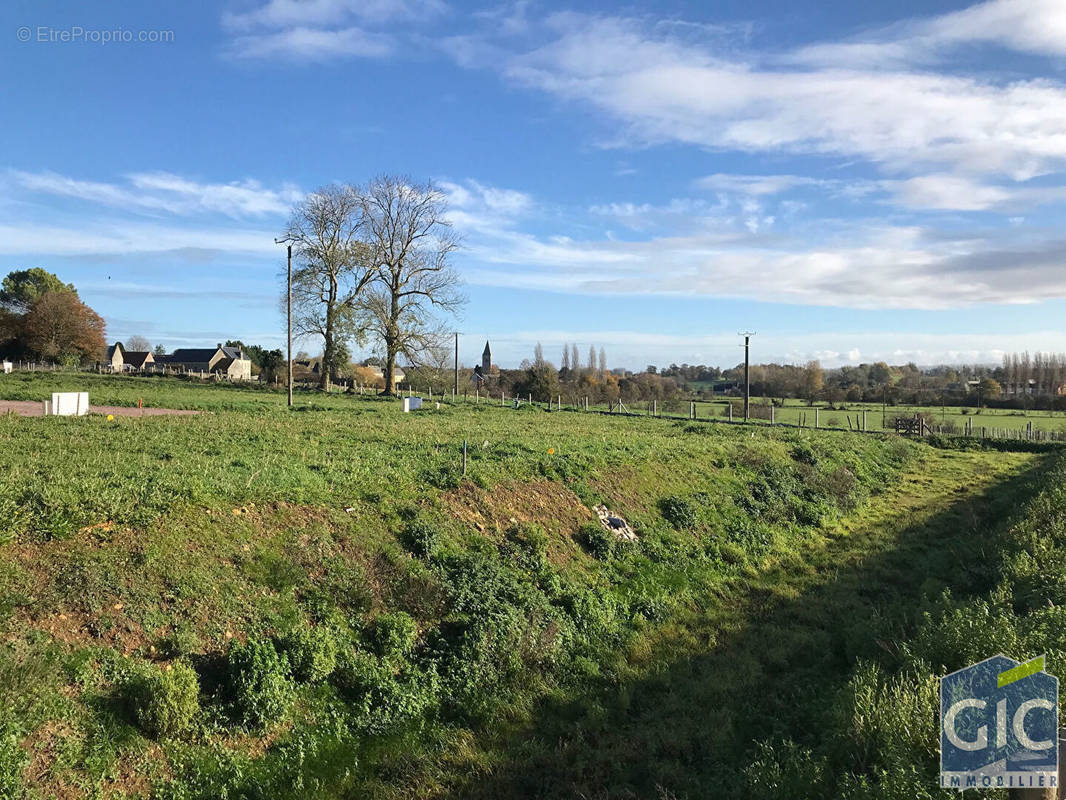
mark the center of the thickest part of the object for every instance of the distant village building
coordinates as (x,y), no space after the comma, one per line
(137,360)
(483,370)
(114,360)
(397,375)
(119,359)
(230,362)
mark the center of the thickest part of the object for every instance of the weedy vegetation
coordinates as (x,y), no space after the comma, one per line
(256,602)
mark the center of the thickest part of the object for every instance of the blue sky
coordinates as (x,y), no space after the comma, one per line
(852,183)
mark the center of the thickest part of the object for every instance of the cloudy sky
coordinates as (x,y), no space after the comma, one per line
(853,181)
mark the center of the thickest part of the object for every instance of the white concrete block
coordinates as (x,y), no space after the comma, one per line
(411,404)
(70,404)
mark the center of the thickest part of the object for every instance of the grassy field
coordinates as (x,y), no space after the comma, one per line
(264,603)
(796,412)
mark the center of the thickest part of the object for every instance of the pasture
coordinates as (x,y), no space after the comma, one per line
(266,603)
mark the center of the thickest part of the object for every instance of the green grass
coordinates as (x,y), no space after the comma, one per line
(363,620)
(796,412)
(1004,423)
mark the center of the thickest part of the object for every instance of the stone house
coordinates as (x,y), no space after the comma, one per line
(119,359)
(230,362)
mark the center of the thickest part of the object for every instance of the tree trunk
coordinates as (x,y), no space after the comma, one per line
(327,357)
(391,339)
(329,348)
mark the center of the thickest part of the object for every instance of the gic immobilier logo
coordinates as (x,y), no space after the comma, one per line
(999,726)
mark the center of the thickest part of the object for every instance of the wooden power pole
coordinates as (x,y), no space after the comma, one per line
(747,374)
(288,306)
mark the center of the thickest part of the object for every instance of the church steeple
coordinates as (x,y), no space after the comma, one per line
(486,360)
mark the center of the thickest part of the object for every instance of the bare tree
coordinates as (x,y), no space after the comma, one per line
(409,244)
(137,344)
(332,270)
(566,357)
(575,359)
(592,358)
(538,355)
(603,363)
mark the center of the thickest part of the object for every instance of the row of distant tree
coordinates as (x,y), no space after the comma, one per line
(1023,380)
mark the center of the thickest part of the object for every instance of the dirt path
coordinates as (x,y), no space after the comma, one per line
(29,408)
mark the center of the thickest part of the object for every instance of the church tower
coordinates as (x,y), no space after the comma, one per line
(486,360)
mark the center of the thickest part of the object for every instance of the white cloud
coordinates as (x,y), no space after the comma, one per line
(957,193)
(107,237)
(671,88)
(1028,26)
(858,266)
(323,13)
(474,207)
(949,192)
(754,184)
(165,192)
(322,30)
(309,44)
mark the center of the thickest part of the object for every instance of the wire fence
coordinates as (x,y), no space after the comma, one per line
(759,415)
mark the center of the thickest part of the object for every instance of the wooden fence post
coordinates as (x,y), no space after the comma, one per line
(771,412)
(730,412)
(864,420)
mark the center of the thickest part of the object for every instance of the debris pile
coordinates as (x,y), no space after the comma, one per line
(615,524)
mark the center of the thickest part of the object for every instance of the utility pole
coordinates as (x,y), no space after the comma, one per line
(455,392)
(288,305)
(747,381)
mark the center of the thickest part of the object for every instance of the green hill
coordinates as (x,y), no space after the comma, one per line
(263,603)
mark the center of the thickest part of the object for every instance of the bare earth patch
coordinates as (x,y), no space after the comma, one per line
(29,408)
(552,506)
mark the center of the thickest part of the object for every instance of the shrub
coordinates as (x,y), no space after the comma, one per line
(312,653)
(420,538)
(597,540)
(166,700)
(380,695)
(12,761)
(803,453)
(259,681)
(679,512)
(443,476)
(785,770)
(393,634)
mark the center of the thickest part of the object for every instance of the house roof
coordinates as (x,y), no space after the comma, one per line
(192,355)
(223,364)
(234,352)
(111,350)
